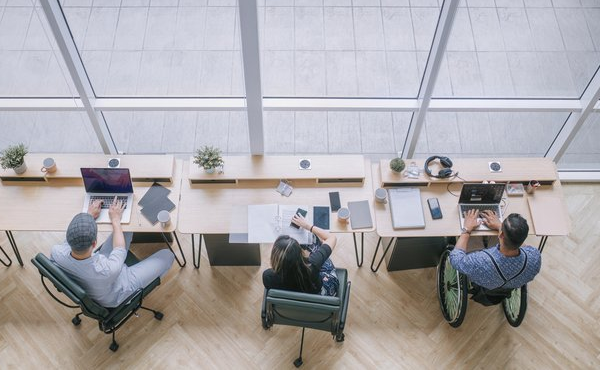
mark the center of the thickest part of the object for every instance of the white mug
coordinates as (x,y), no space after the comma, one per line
(49,165)
(381,195)
(164,218)
(343,214)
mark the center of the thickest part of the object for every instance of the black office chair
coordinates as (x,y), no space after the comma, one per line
(109,319)
(453,291)
(305,310)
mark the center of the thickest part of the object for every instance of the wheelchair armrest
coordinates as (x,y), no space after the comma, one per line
(135,296)
(345,307)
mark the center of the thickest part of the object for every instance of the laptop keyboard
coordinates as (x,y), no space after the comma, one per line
(107,201)
(464,208)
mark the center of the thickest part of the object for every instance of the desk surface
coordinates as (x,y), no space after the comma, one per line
(210,208)
(450,223)
(50,206)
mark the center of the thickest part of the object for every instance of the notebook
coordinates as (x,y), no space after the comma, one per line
(406,208)
(360,215)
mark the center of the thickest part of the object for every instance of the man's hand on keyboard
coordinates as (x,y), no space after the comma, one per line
(116,210)
(94,208)
(491,220)
(471,221)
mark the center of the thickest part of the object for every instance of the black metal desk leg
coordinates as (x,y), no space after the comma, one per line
(384,253)
(195,260)
(171,249)
(359,263)
(7,257)
(13,244)
(543,243)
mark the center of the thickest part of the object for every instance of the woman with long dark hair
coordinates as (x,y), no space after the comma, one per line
(303,269)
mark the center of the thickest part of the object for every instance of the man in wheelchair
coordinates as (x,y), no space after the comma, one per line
(494,272)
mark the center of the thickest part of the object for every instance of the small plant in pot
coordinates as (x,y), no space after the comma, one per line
(397,165)
(209,158)
(14,157)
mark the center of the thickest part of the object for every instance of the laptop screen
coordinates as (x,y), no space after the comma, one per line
(481,193)
(107,180)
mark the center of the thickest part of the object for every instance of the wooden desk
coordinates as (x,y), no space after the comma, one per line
(50,205)
(209,208)
(448,190)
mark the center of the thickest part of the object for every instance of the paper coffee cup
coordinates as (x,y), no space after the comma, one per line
(164,218)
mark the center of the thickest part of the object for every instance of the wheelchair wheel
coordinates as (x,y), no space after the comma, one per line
(515,306)
(452,291)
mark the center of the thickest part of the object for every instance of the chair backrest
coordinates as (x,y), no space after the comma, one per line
(309,310)
(67,286)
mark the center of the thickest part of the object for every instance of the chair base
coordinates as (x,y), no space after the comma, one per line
(114,346)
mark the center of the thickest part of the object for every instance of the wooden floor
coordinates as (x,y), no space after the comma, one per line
(212,316)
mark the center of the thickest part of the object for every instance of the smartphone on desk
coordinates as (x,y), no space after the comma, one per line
(434,208)
(300,212)
(334,201)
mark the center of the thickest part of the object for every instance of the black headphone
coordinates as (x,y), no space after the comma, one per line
(444,172)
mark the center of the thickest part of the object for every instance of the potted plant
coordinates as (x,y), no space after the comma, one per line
(209,158)
(397,165)
(14,157)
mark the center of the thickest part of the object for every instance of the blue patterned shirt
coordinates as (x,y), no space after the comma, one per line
(480,269)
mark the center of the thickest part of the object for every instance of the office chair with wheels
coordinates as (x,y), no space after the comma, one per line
(306,310)
(109,319)
(453,291)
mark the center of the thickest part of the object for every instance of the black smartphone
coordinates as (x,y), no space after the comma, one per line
(334,201)
(434,208)
(300,212)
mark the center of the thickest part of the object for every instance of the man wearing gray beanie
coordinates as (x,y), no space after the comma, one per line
(104,275)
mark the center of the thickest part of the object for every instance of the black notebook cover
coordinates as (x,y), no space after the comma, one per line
(156,191)
(321,217)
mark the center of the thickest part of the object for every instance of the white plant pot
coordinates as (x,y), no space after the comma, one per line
(21,169)
(209,170)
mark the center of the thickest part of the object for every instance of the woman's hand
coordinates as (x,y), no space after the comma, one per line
(301,221)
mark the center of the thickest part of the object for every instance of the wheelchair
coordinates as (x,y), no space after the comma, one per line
(453,292)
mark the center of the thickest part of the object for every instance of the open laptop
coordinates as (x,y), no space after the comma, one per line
(104,184)
(481,197)
(406,208)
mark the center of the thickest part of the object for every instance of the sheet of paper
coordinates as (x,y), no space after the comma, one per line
(286,212)
(263,224)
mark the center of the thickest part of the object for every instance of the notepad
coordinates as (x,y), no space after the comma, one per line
(360,215)
(548,215)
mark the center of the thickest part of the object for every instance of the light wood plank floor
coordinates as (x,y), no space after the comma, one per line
(212,316)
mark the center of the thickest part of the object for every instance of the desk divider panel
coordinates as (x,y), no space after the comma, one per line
(143,168)
(342,169)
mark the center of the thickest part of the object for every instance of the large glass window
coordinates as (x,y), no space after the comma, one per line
(345,48)
(373,133)
(583,152)
(49,132)
(30,63)
(521,49)
(178,132)
(489,134)
(159,48)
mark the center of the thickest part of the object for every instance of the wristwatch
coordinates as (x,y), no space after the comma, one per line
(464,231)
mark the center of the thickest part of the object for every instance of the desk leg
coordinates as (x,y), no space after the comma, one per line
(384,253)
(359,263)
(195,260)
(171,249)
(7,257)
(543,243)
(13,244)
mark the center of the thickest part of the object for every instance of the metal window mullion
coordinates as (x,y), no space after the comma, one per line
(589,99)
(68,49)
(251,61)
(432,68)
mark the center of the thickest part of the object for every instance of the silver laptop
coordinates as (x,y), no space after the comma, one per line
(406,208)
(481,197)
(104,184)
